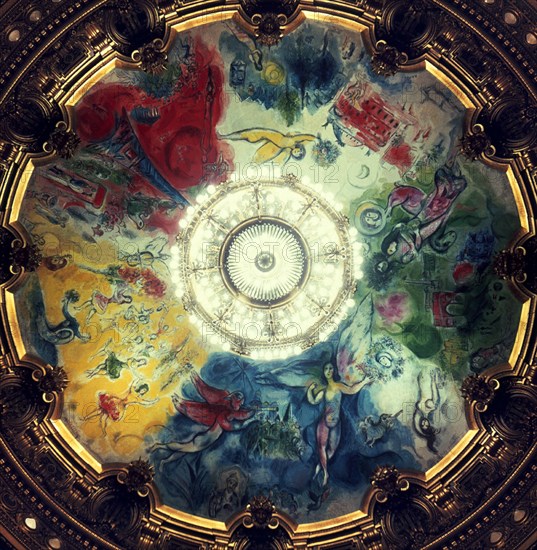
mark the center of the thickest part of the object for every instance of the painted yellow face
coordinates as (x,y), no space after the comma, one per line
(392,248)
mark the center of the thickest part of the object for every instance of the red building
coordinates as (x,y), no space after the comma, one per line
(441,314)
(369,120)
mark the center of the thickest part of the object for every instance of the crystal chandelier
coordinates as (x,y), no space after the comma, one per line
(266,268)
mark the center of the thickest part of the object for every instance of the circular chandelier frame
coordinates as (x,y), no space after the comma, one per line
(287,305)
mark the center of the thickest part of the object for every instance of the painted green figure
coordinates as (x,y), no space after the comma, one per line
(113,366)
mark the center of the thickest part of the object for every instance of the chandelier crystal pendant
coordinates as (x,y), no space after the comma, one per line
(266,268)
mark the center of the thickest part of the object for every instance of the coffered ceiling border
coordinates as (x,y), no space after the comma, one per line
(484,495)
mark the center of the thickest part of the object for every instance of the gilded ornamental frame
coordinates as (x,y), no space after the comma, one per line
(484,493)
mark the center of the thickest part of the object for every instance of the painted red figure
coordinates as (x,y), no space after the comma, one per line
(220,407)
(221,411)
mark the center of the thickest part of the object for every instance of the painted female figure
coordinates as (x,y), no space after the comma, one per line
(329,428)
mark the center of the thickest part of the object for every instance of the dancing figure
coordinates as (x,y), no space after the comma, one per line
(113,407)
(99,302)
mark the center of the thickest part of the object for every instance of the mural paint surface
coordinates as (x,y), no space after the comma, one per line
(220,428)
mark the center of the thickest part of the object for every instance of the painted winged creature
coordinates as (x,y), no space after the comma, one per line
(221,411)
(347,375)
(374,430)
(275,146)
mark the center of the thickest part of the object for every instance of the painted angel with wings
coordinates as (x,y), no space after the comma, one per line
(275,146)
(344,372)
(221,411)
(353,346)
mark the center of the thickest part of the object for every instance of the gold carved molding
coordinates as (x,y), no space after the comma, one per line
(485,495)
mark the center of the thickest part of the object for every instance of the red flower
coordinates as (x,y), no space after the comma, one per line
(129,274)
(151,284)
(463,273)
(394,308)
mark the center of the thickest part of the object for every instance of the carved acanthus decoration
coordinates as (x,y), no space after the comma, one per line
(386,60)
(519,265)
(260,510)
(268,18)
(62,141)
(475,389)
(138,475)
(16,256)
(259,526)
(53,381)
(388,481)
(25,257)
(151,57)
(268,28)
(476,144)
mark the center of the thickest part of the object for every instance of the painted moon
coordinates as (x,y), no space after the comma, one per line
(362,175)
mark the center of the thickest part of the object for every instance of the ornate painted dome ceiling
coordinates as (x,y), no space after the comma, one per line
(266,270)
